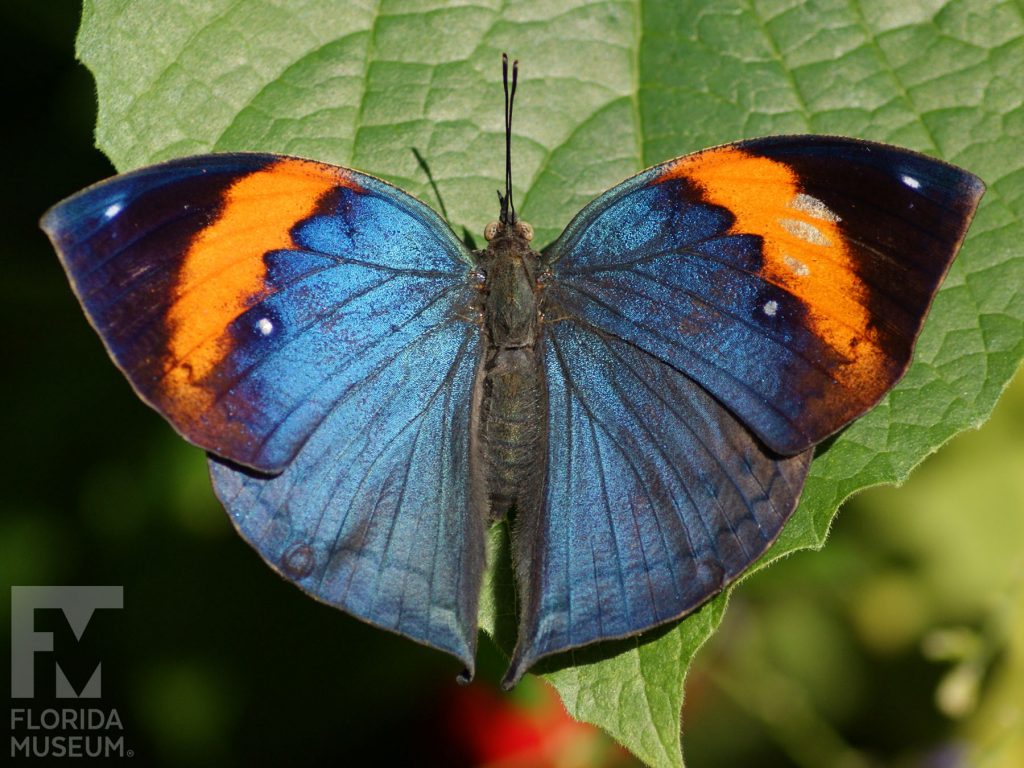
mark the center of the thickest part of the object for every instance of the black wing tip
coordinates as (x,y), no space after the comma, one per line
(49,222)
(59,220)
(974,188)
(825,142)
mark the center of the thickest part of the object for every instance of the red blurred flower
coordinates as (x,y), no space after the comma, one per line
(528,728)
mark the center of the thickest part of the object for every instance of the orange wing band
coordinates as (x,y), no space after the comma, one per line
(223,273)
(804,251)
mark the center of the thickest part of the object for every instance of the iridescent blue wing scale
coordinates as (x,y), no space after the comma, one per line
(303,323)
(706,319)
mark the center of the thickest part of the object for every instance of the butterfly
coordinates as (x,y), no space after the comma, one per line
(641,399)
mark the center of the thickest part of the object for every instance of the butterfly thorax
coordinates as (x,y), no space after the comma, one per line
(511,301)
(510,403)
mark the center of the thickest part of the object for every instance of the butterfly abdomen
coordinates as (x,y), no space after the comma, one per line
(513,429)
(511,419)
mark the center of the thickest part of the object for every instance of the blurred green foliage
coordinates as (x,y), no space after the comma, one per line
(901,643)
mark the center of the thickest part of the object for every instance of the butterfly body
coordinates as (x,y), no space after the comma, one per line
(510,397)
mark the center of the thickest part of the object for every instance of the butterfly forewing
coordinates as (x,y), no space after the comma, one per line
(233,290)
(789,276)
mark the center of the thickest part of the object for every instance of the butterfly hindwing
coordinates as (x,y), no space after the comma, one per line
(656,497)
(232,289)
(789,276)
(305,324)
(373,514)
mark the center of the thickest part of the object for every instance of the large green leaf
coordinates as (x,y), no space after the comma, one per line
(608,88)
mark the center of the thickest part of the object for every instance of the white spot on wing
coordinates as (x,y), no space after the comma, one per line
(812,206)
(804,231)
(910,181)
(799,268)
(770,308)
(112,210)
(264,326)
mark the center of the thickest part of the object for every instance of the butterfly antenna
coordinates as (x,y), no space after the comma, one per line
(508,208)
(422,161)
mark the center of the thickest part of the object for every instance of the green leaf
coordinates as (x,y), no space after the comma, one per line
(606,89)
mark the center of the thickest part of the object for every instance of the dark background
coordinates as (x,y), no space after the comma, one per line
(842,657)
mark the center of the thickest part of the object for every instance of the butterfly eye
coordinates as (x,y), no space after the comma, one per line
(491,231)
(525,230)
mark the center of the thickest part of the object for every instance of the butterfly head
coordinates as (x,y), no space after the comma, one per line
(499,230)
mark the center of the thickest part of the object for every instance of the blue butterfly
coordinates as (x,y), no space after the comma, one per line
(641,399)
